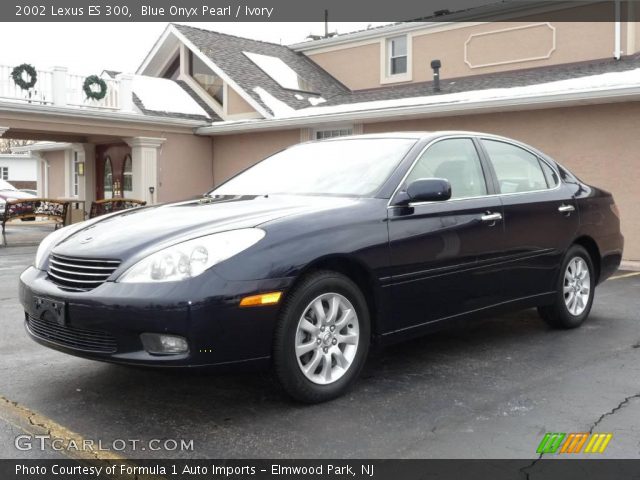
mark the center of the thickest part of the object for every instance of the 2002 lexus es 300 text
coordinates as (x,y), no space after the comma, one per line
(305,258)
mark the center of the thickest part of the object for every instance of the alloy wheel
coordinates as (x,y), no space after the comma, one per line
(576,286)
(327,338)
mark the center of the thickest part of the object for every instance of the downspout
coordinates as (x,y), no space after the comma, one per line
(617,53)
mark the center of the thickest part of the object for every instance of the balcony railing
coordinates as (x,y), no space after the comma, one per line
(59,88)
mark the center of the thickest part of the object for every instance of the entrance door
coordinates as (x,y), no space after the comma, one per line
(113,171)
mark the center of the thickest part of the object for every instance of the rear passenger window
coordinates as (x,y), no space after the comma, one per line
(455,160)
(517,170)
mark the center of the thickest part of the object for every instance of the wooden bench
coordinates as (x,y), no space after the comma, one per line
(108,205)
(35,208)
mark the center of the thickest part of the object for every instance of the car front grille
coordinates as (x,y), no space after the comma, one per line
(72,337)
(82,274)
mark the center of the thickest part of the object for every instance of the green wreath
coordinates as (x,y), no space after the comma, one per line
(18,72)
(94,80)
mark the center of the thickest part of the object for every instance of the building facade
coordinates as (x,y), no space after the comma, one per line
(20,170)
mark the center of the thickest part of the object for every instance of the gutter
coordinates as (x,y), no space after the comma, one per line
(53,111)
(530,102)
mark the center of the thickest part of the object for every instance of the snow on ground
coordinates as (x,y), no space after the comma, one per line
(163,95)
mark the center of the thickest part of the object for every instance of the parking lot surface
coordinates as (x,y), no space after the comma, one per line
(488,390)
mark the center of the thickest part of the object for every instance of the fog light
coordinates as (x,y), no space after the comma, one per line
(160,344)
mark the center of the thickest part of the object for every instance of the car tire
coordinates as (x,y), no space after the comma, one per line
(572,305)
(316,359)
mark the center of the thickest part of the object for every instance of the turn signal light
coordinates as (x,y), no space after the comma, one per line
(270,298)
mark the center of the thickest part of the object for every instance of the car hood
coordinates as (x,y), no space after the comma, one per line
(147,229)
(14,195)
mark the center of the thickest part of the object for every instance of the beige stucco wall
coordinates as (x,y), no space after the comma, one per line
(56,161)
(599,143)
(236,104)
(357,67)
(233,153)
(574,42)
(503,46)
(185,167)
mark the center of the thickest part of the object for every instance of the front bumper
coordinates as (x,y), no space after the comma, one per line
(106,322)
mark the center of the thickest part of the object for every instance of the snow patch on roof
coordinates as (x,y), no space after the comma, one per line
(164,95)
(277,107)
(316,100)
(279,71)
(604,81)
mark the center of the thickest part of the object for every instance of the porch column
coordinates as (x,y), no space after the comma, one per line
(144,165)
(42,175)
(88,182)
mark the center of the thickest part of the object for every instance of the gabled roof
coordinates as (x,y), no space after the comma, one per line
(594,82)
(226,51)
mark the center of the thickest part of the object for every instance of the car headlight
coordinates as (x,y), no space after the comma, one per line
(191,258)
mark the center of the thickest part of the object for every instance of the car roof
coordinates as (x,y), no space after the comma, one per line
(418,135)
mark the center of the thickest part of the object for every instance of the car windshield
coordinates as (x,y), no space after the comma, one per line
(346,167)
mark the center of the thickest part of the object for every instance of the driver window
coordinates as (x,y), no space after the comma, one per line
(455,160)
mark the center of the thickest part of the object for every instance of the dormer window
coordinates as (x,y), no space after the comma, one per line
(397,57)
(206,78)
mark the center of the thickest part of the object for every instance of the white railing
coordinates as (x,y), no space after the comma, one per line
(77,97)
(59,88)
(41,93)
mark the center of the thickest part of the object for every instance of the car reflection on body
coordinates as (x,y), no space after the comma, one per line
(303,260)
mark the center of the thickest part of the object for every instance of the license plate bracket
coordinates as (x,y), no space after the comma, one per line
(50,310)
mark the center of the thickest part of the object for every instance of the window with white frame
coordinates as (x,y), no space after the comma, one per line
(4,173)
(397,57)
(74,175)
(332,133)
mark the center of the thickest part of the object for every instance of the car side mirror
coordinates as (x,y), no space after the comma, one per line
(428,190)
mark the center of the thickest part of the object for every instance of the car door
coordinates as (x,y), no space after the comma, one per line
(540,217)
(441,252)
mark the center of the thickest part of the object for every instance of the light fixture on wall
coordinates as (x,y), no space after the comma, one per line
(81,169)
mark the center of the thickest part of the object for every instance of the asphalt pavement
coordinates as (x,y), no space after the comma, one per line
(488,390)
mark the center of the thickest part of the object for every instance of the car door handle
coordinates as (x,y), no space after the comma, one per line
(566,208)
(491,217)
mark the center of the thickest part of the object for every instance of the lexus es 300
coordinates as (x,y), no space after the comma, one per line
(302,261)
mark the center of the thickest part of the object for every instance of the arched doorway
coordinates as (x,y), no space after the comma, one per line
(114,175)
(127,178)
(107,178)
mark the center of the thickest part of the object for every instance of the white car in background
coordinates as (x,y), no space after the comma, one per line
(9,192)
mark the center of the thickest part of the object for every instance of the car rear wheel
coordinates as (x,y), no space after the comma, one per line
(575,289)
(322,338)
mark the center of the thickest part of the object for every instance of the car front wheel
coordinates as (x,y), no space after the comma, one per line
(322,338)
(575,289)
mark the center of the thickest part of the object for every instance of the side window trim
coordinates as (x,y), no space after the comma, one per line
(487,168)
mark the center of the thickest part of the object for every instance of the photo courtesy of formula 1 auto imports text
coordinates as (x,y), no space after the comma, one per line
(273,240)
